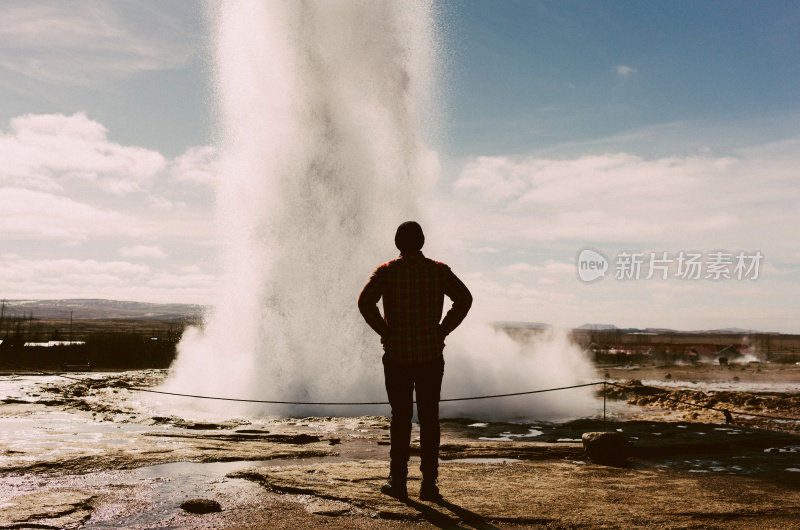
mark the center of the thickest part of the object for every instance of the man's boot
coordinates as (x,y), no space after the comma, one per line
(429,491)
(395,487)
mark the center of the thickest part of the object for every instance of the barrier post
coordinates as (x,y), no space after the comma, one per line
(604,404)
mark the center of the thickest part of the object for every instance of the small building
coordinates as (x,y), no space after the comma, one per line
(729,352)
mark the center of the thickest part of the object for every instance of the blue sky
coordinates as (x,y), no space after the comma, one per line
(542,75)
(642,126)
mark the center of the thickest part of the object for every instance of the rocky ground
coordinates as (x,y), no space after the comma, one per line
(76,455)
(756,394)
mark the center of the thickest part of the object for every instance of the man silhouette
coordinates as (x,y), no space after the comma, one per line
(412,332)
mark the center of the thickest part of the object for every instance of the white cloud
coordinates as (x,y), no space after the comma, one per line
(31,215)
(622,197)
(62,178)
(81,42)
(625,71)
(540,211)
(198,165)
(78,278)
(67,190)
(162,203)
(494,177)
(43,275)
(550,267)
(142,251)
(49,151)
(552,293)
(518,268)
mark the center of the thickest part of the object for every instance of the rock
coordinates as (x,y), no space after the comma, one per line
(327,507)
(58,508)
(80,390)
(610,448)
(201,506)
(293,438)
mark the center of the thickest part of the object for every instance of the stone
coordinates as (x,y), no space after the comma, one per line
(201,506)
(609,448)
(57,508)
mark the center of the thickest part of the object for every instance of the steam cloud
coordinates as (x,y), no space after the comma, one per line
(320,107)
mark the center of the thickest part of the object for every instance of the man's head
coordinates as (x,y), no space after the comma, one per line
(409,237)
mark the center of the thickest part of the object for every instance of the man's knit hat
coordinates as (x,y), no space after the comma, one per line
(409,237)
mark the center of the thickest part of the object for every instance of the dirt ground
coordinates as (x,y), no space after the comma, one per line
(73,455)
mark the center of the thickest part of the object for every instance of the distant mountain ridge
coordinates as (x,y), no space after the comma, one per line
(99,308)
(641,331)
(96,308)
(598,327)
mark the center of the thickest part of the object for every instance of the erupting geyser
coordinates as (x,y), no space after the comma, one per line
(322,156)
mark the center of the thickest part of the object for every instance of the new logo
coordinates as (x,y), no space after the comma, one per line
(591,265)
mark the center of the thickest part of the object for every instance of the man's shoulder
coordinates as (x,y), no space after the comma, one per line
(385,268)
(401,262)
(437,264)
(388,265)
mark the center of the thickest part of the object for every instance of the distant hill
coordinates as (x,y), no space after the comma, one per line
(598,327)
(96,309)
(738,331)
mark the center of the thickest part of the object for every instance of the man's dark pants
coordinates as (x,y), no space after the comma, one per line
(402,379)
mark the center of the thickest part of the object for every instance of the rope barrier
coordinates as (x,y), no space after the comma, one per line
(270,402)
(273,402)
(726,412)
(335,403)
(523,393)
(138,389)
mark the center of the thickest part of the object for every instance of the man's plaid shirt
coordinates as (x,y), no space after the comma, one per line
(413,288)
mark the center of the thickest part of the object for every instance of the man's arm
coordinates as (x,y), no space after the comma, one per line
(368,305)
(462,301)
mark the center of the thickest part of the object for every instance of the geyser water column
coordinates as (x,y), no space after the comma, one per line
(321,158)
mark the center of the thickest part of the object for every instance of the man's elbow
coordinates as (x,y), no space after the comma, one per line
(466,301)
(364,304)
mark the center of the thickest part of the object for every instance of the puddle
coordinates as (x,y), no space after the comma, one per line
(508,436)
(62,432)
(776,466)
(789,449)
(160,489)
